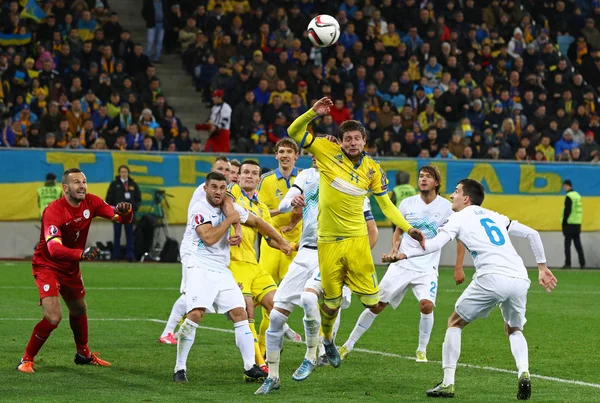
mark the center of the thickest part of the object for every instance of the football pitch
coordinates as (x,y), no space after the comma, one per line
(129,303)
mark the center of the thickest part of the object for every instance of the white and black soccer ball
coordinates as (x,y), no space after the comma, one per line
(323,31)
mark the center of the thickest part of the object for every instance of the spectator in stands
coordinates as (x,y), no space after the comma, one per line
(155,14)
(218,125)
(124,189)
(566,143)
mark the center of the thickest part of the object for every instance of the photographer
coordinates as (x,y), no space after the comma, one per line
(124,189)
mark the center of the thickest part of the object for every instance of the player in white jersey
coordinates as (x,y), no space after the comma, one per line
(425,211)
(220,165)
(301,286)
(210,285)
(500,278)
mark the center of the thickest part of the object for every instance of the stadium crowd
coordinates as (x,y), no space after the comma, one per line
(490,79)
(72,77)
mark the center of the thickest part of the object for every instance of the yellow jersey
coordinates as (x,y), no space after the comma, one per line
(246,251)
(344,185)
(272,189)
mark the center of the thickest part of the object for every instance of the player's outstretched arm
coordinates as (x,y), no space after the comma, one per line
(459,274)
(396,241)
(268,231)
(298,129)
(211,235)
(431,245)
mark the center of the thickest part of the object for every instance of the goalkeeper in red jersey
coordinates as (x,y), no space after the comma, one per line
(65,226)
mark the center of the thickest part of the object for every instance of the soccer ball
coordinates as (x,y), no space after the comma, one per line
(323,31)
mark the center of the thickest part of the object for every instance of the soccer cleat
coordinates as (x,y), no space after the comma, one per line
(421,356)
(169,338)
(265,368)
(180,376)
(293,336)
(268,386)
(322,361)
(304,370)
(92,360)
(524,392)
(255,374)
(26,367)
(333,355)
(344,352)
(441,391)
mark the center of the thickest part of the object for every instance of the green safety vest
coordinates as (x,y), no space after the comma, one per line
(576,216)
(402,192)
(47,194)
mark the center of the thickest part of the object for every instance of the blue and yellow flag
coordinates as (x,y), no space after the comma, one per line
(15,39)
(32,10)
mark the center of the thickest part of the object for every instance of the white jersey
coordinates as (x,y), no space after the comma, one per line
(307,182)
(217,255)
(427,218)
(186,243)
(485,235)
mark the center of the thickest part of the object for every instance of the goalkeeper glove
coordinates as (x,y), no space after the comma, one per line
(123,208)
(91,253)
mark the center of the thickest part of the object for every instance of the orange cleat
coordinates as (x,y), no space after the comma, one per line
(92,360)
(265,368)
(168,339)
(26,366)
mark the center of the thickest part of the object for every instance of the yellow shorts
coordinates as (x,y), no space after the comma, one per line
(348,261)
(252,279)
(274,261)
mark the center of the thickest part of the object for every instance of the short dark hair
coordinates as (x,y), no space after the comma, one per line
(474,190)
(68,172)
(435,172)
(215,176)
(351,126)
(286,142)
(250,162)
(236,163)
(222,158)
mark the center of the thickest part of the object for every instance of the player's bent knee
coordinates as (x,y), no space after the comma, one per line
(238,315)
(426,306)
(369,301)
(53,317)
(456,321)
(283,308)
(309,300)
(195,315)
(331,306)
(378,308)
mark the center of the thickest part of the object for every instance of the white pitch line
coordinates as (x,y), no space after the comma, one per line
(360,350)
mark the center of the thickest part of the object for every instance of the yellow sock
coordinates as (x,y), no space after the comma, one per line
(258,357)
(327,322)
(262,335)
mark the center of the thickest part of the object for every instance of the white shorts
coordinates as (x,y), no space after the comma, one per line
(397,280)
(214,289)
(184,260)
(314,283)
(489,290)
(300,271)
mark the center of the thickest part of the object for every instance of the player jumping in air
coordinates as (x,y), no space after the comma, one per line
(65,226)
(210,285)
(425,211)
(500,278)
(346,176)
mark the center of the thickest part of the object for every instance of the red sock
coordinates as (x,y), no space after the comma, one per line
(40,334)
(79,326)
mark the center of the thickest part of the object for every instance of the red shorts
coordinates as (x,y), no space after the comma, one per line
(218,142)
(51,283)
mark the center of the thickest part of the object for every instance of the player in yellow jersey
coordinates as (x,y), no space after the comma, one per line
(272,189)
(257,285)
(347,175)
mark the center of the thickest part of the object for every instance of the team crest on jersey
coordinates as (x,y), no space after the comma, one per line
(371,173)
(52,230)
(198,219)
(241,285)
(278,194)
(339,158)
(86,214)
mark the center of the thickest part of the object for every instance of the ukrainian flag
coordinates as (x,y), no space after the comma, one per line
(15,39)
(32,10)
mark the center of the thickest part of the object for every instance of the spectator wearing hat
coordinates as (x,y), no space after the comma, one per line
(49,192)
(124,189)
(196,146)
(565,143)
(589,148)
(258,64)
(571,223)
(218,125)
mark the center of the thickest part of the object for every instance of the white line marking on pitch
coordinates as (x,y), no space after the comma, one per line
(360,350)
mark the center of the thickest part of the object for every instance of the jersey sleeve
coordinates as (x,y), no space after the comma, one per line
(102,208)
(451,226)
(234,191)
(243,212)
(301,179)
(367,210)
(298,130)
(379,183)
(199,216)
(52,220)
(503,221)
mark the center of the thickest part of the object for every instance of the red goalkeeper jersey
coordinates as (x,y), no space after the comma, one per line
(70,225)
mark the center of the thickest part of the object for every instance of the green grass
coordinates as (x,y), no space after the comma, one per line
(563,333)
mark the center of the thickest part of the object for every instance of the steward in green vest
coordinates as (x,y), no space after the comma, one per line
(571,223)
(402,190)
(49,192)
